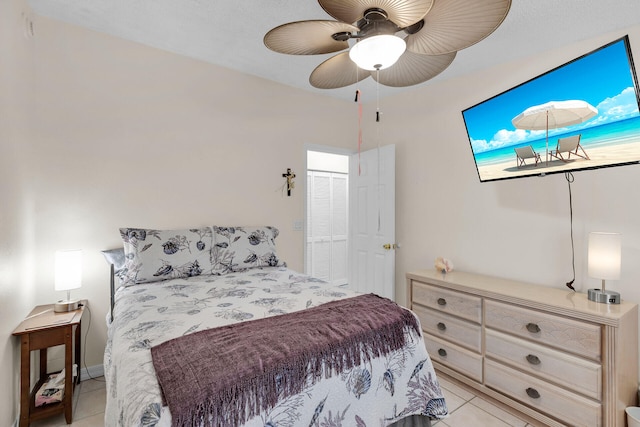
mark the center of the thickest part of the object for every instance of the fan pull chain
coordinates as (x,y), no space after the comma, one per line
(359,101)
(378,142)
(378,96)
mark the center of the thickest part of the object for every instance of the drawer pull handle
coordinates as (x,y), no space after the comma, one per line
(533,328)
(442,301)
(533,393)
(442,352)
(534,360)
(442,326)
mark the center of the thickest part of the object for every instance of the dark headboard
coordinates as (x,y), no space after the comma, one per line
(115,258)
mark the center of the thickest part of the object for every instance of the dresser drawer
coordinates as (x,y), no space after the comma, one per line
(572,372)
(581,338)
(559,403)
(451,328)
(455,357)
(462,305)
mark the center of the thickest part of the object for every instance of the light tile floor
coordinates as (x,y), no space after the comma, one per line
(465,408)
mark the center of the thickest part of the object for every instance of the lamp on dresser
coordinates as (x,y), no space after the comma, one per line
(604,259)
(68,275)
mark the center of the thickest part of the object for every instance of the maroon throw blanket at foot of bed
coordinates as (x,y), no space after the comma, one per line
(227,375)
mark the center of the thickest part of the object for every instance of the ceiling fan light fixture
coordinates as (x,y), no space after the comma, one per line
(377,52)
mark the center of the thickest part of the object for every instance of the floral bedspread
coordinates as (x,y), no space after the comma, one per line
(377,393)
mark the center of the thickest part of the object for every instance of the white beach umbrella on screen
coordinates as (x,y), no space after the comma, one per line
(553,115)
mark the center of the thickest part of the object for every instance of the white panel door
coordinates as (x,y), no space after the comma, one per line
(372,221)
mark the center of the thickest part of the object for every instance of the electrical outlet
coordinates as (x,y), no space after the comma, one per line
(297,225)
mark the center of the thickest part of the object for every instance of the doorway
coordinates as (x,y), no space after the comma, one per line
(350,218)
(327,216)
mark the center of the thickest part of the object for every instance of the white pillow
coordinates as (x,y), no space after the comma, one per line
(241,248)
(155,255)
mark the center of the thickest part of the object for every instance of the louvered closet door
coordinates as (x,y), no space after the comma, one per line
(339,227)
(327,219)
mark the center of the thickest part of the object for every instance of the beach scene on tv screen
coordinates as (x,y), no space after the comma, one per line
(581,115)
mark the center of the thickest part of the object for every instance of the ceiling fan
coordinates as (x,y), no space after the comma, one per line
(435,30)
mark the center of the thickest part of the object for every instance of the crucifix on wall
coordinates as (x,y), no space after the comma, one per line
(289,177)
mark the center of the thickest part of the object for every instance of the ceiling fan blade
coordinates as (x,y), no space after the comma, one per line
(453,25)
(402,12)
(308,37)
(413,68)
(337,71)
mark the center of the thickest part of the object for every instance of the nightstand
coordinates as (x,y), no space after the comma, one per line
(42,329)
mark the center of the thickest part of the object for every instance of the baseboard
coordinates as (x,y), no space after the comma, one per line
(91,372)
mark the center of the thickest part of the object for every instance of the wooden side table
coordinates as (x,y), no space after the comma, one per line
(42,329)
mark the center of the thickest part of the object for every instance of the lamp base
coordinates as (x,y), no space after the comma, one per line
(603,296)
(64,306)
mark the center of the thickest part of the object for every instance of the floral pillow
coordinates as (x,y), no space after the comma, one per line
(241,248)
(154,255)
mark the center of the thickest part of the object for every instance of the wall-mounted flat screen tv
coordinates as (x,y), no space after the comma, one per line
(581,115)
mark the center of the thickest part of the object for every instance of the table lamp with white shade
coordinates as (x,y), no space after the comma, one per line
(603,259)
(68,275)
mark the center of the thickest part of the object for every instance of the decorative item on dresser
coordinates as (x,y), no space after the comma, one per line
(548,353)
(603,261)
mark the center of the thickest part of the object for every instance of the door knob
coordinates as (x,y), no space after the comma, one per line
(388,246)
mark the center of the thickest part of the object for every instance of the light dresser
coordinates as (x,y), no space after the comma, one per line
(546,352)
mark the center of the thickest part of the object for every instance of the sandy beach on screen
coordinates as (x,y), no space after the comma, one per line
(598,156)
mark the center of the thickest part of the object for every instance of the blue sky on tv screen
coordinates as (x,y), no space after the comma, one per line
(603,78)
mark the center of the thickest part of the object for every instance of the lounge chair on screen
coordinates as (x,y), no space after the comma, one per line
(524,153)
(568,146)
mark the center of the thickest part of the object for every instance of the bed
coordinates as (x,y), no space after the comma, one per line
(181,285)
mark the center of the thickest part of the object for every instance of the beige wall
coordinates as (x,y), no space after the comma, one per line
(99,133)
(133,136)
(17,264)
(518,229)
(116,134)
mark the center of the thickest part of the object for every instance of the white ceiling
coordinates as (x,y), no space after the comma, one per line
(229,33)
